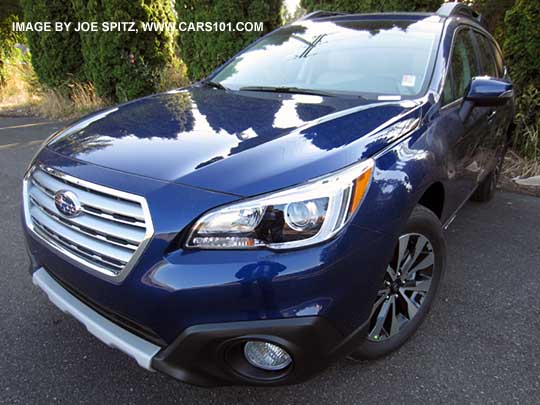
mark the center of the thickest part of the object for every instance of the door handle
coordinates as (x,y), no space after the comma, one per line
(491,114)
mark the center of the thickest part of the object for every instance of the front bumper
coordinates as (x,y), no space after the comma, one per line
(210,355)
(99,326)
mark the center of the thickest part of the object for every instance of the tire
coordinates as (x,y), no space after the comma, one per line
(415,272)
(487,188)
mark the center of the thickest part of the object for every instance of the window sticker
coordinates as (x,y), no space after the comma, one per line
(389,98)
(408,80)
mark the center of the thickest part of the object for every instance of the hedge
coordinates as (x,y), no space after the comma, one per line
(125,65)
(9,8)
(9,12)
(522,52)
(204,51)
(493,12)
(56,56)
(8,39)
(522,44)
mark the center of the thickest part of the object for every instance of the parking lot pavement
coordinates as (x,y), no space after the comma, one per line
(480,344)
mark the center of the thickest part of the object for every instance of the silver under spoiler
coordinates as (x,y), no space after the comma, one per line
(108,332)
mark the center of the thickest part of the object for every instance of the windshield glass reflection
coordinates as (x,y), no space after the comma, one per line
(368,58)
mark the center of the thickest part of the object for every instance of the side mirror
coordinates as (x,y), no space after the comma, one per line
(488,92)
(484,91)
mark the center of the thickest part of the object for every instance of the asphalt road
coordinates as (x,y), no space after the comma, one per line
(480,344)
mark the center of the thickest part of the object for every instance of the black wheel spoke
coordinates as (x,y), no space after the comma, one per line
(421,286)
(412,307)
(391,273)
(418,248)
(381,315)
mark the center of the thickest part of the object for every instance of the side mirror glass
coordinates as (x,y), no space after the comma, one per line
(484,91)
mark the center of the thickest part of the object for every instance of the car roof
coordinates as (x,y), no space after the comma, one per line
(460,18)
(323,16)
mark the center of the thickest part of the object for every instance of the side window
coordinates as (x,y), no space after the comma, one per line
(463,67)
(487,57)
(448,91)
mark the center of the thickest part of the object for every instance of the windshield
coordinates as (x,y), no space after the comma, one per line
(377,59)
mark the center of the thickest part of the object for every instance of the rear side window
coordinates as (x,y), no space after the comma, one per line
(487,56)
(463,67)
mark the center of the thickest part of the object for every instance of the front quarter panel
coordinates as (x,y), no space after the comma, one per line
(403,172)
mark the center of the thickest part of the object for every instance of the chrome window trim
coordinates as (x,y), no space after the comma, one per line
(463,24)
(76,260)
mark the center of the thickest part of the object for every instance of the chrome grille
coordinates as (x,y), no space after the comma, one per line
(108,235)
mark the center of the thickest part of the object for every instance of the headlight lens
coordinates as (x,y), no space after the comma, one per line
(300,216)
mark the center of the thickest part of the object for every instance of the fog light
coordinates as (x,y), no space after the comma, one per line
(266,356)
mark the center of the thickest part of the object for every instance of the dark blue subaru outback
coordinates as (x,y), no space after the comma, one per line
(287,210)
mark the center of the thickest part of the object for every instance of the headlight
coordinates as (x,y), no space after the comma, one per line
(300,216)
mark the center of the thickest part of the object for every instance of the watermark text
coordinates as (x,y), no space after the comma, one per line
(135,27)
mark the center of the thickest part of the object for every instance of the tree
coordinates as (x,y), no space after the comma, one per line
(124,65)
(522,43)
(8,39)
(371,6)
(493,12)
(9,8)
(522,52)
(203,51)
(10,11)
(293,14)
(56,56)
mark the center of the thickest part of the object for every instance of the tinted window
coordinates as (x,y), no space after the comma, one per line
(463,67)
(371,58)
(487,57)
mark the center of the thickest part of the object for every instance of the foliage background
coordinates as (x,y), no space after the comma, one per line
(204,51)
(8,39)
(124,65)
(522,53)
(56,56)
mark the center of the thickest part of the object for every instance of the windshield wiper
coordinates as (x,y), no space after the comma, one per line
(285,89)
(215,85)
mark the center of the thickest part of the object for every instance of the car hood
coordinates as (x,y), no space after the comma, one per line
(242,143)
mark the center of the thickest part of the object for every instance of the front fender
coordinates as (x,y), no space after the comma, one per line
(403,172)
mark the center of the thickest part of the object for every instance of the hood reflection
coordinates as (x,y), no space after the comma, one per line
(199,135)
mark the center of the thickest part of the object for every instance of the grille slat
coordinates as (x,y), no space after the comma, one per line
(86,231)
(109,217)
(92,244)
(78,250)
(129,234)
(95,211)
(107,204)
(106,236)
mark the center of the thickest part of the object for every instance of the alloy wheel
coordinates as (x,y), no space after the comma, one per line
(406,285)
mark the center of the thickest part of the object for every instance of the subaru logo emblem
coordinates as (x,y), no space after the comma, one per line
(67,203)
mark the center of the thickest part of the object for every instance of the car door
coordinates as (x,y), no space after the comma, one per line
(494,138)
(463,136)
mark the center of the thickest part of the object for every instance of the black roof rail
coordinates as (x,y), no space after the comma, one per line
(459,9)
(320,14)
